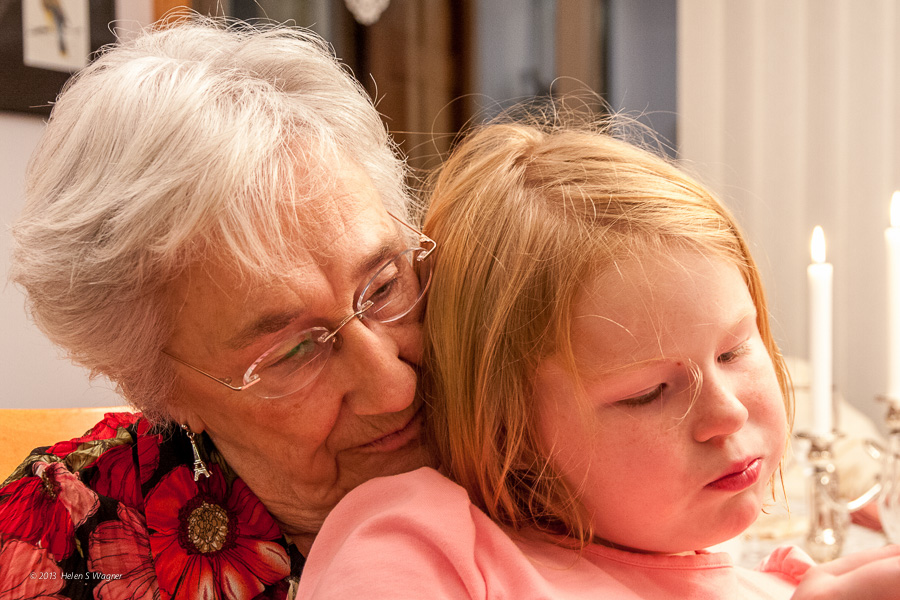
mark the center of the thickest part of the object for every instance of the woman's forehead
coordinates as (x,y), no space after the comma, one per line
(303,228)
(218,306)
(340,248)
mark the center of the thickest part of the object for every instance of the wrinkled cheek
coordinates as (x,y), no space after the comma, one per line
(409,340)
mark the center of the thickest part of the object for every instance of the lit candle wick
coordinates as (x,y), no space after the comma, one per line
(817,245)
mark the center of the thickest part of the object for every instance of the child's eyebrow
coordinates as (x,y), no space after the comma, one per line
(628,368)
(750,315)
(738,320)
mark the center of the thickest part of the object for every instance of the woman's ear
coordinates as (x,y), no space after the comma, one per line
(194,423)
(182,413)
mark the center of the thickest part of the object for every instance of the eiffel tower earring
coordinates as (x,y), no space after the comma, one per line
(199,465)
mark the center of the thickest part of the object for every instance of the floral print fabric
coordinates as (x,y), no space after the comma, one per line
(116,515)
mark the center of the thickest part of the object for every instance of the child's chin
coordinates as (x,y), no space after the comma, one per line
(733,522)
(743,516)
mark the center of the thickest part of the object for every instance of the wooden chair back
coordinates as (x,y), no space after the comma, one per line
(24,429)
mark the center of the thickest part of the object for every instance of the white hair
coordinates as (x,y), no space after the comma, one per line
(204,138)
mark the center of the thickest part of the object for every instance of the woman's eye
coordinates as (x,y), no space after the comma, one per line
(733,355)
(299,352)
(383,290)
(301,349)
(644,397)
(383,284)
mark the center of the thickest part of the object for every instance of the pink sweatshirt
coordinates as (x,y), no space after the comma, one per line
(417,536)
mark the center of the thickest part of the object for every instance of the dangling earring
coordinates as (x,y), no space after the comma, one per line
(199,465)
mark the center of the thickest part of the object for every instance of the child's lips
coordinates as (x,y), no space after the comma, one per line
(739,477)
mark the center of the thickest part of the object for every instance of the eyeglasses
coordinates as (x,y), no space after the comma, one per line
(295,361)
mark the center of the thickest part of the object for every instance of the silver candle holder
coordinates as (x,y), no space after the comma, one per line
(892,419)
(889,498)
(829,516)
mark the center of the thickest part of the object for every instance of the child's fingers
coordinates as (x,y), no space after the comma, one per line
(868,575)
(851,562)
(877,580)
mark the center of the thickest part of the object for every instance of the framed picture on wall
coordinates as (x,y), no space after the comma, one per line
(42,42)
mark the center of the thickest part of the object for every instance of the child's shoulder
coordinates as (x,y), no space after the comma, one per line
(422,491)
(410,507)
(412,535)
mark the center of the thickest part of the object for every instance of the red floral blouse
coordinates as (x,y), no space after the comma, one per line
(116,515)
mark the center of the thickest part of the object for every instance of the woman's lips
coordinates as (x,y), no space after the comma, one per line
(399,438)
(739,479)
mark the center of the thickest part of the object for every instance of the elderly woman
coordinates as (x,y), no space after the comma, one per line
(216,220)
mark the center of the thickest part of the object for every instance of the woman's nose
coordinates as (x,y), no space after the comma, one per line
(378,377)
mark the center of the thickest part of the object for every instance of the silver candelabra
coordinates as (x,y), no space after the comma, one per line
(829,516)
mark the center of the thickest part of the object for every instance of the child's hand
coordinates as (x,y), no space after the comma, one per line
(868,575)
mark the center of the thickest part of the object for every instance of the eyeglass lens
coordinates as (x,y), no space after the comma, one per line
(296,361)
(394,290)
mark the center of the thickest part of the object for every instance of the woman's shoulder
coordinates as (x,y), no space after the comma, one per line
(93,516)
(57,493)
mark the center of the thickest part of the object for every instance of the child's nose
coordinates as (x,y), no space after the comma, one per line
(718,412)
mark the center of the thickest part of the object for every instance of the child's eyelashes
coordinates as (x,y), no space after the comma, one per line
(733,355)
(649,395)
(643,398)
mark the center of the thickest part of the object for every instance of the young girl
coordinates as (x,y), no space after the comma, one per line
(605,393)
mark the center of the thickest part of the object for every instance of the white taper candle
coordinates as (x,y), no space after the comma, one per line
(820,275)
(892,240)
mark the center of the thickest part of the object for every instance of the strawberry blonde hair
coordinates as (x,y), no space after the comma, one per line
(523,215)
